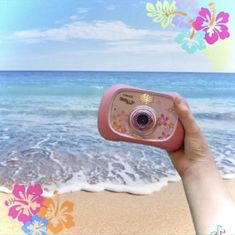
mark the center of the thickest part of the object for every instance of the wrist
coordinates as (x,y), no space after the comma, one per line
(205,181)
(209,200)
(200,170)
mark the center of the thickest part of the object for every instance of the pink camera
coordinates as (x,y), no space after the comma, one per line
(146,117)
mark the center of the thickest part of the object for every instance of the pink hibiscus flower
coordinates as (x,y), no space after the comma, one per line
(164,135)
(162,120)
(213,24)
(25,203)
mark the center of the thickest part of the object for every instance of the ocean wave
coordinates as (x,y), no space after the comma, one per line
(227,116)
(73,113)
(51,113)
(92,168)
(74,160)
(76,91)
(48,131)
(145,189)
(74,186)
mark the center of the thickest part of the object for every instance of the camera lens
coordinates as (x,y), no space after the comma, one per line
(142,120)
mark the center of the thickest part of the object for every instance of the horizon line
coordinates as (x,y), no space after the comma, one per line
(118,71)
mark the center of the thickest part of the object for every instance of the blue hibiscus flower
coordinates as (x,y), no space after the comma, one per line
(191,41)
(191,8)
(35,226)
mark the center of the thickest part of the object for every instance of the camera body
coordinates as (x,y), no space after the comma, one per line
(140,116)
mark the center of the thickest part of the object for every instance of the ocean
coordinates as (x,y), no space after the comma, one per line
(49,135)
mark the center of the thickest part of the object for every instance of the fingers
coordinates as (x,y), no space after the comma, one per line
(186,116)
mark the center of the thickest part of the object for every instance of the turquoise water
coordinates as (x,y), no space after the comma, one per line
(48,130)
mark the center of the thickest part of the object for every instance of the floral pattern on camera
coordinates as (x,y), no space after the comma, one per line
(162,120)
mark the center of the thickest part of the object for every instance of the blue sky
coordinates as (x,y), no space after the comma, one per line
(95,35)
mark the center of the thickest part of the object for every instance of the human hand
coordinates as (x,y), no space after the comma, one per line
(195,151)
(209,200)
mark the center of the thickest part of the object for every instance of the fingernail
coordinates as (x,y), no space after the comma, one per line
(177,100)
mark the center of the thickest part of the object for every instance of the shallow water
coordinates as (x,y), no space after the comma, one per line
(48,130)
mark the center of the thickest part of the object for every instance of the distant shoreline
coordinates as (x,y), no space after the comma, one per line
(112,71)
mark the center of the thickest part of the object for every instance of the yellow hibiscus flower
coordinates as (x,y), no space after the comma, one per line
(163,12)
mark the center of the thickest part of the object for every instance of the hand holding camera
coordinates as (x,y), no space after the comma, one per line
(140,116)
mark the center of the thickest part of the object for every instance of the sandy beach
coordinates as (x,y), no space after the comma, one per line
(163,212)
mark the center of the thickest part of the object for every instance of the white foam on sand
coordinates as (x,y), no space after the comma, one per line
(5,190)
(138,189)
(73,186)
(228,176)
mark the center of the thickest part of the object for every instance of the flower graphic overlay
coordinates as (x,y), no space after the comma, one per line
(191,7)
(213,24)
(25,203)
(58,213)
(35,226)
(191,41)
(163,13)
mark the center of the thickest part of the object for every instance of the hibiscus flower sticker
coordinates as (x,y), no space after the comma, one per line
(58,214)
(213,24)
(25,203)
(163,135)
(162,120)
(220,54)
(163,12)
(191,7)
(36,226)
(191,41)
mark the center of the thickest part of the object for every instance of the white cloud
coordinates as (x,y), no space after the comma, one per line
(74,17)
(82,10)
(80,14)
(139,4)
(98,30)
(143,47)
(111,8)
(104,61)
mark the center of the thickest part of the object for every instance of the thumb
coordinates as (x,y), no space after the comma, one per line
(186,116)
